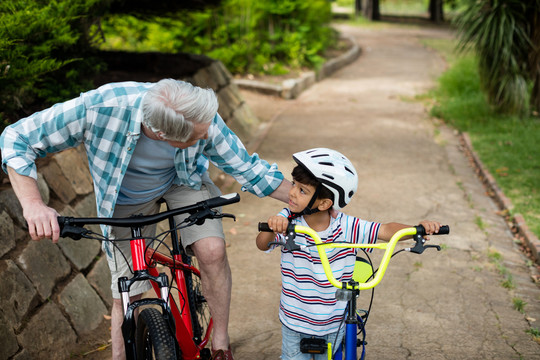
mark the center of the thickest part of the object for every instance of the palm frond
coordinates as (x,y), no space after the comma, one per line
(499,31)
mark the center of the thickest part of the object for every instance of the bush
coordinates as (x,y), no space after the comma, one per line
(246,35)
(40,42)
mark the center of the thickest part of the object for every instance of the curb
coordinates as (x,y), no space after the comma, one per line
(292,88)
(519,226)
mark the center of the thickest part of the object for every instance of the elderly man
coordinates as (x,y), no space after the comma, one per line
(144,141)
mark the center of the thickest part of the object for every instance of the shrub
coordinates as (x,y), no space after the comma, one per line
(246,35)
(40,42)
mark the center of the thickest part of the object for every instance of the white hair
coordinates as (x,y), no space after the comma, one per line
(172,107)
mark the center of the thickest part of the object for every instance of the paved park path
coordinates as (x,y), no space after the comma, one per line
(446,305)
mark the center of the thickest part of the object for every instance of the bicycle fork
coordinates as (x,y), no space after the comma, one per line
(140,269)
(353,323)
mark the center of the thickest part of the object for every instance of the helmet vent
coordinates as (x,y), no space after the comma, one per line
(328,176)
(349,170)
(326,163)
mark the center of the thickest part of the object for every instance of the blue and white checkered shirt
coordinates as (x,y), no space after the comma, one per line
(108,121)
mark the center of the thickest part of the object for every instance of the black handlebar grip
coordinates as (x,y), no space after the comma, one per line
(222,200)
(61,221)
(264,227)
(444,230)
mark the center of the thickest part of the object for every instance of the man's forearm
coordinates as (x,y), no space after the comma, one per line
(25,187)
(282,192)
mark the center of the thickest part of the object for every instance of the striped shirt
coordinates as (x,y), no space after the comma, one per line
(308,304)
(108,122)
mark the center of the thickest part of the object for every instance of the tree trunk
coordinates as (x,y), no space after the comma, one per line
(534,63)
(357,7)
(372,10)
(436,11)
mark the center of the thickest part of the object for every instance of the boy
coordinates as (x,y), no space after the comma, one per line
(324,182)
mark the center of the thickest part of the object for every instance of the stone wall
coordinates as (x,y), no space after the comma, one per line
(52,295)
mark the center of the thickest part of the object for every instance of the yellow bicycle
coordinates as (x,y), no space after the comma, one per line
(364,277)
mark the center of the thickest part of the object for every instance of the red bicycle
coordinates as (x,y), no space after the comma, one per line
(176,324)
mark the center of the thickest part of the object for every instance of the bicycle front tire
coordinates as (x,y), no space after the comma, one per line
(154,339)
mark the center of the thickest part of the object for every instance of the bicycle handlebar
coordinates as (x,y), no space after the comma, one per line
(67,222)
(388,247)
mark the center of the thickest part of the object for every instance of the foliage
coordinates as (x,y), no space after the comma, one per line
(500,32)
(507,145)
(246,35)
(38,39)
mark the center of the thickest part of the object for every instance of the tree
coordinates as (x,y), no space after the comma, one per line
(506,37)
(436,10)
(372,10)
(534,57)
(357,7)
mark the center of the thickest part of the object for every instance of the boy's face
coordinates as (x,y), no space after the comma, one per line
(300,196)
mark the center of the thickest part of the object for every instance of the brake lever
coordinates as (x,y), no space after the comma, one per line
(199,217)
(420,245)
(289,239)
(225,215)
(73,232)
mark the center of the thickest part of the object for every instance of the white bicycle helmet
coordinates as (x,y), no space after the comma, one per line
(333,170)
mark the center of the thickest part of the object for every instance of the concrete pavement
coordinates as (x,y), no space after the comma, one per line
(446,305)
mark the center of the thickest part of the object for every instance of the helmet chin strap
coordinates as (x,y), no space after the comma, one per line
(308,210)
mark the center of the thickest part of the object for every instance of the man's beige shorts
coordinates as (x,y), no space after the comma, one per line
(176,196)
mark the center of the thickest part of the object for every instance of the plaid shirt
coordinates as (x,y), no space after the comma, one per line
(108,121)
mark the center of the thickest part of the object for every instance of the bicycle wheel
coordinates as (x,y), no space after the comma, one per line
(154,339)
(200,314)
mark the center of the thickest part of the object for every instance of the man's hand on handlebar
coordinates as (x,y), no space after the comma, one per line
(42,222)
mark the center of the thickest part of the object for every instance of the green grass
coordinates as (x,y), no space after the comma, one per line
(496,259)
(480,222)
(519,304)
(508,146)
(535,332)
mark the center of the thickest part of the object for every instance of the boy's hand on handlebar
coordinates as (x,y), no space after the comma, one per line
(278,224)
(432,227)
